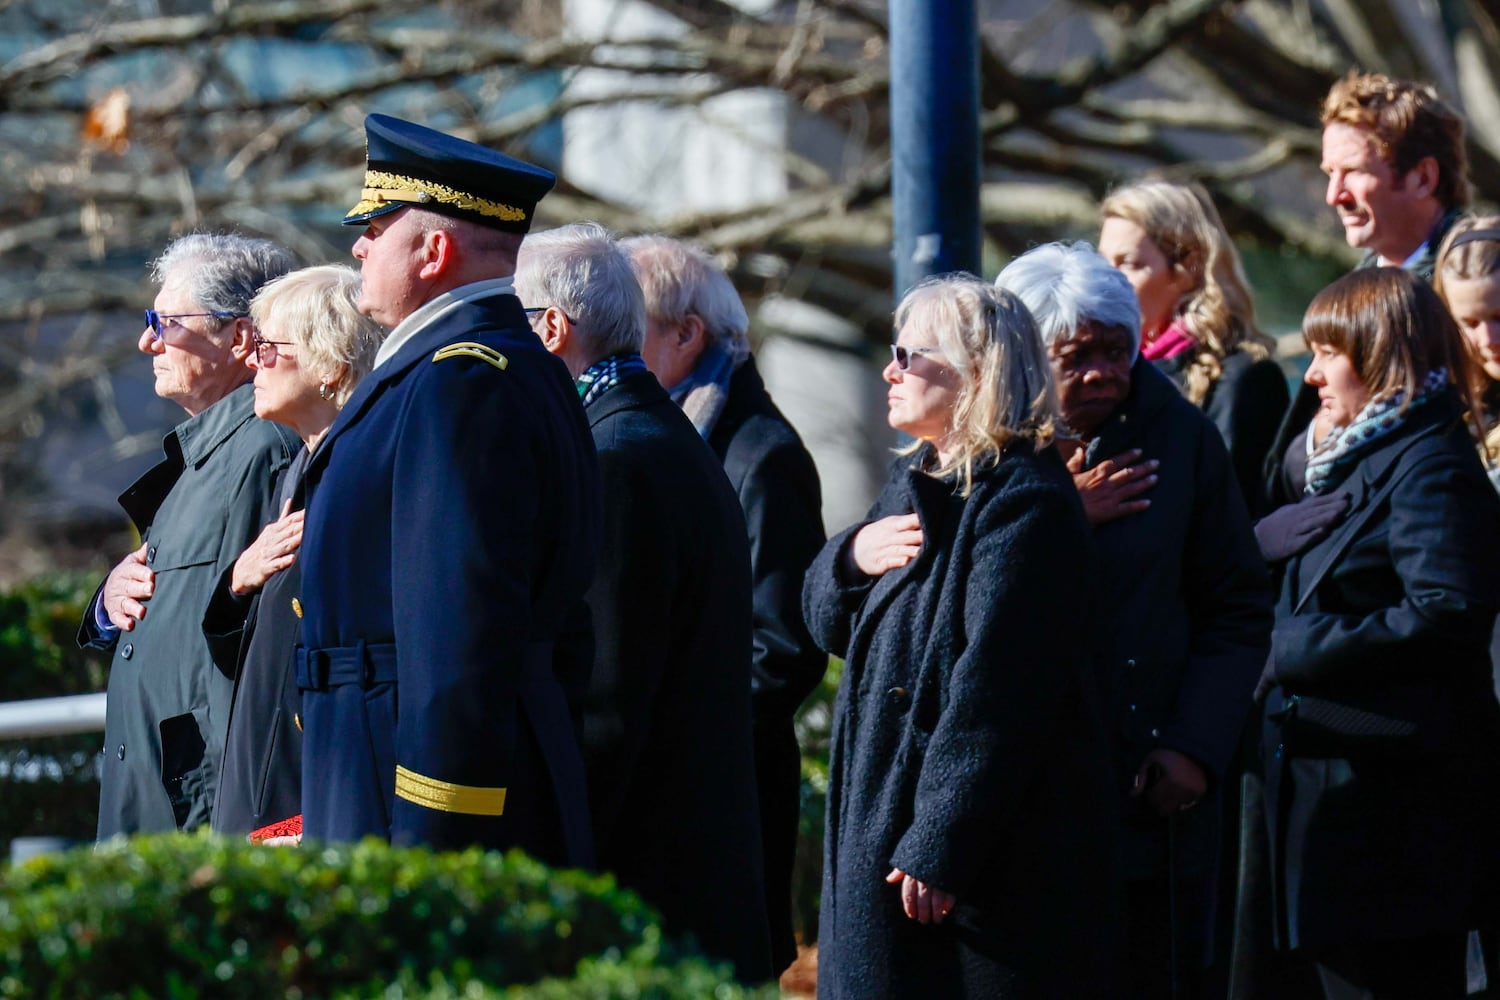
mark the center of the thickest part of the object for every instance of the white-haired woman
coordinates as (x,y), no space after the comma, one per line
(970,832)
(312,347)
(1197,316)
(1187,596)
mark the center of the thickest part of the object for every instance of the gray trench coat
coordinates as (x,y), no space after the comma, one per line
(168,705)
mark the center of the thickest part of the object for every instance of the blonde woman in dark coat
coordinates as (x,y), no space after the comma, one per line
(970,831)
(1197,316)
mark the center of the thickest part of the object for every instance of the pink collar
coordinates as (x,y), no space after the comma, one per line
(1168,344)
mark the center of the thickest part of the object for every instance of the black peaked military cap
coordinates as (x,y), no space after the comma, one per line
(409,164)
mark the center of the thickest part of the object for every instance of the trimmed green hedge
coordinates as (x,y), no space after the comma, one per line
(172,917)
(48,786)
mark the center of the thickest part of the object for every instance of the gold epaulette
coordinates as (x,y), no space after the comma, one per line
(469,349)
(445,796)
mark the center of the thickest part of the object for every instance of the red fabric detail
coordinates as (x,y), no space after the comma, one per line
(285,828)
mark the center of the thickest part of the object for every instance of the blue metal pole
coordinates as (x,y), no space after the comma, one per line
(934,138)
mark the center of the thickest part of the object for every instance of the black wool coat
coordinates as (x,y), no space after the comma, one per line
(1187,616)
(967,748)
(1390,614)
(777,485)
(1247,404)
(666,721)
(253,639)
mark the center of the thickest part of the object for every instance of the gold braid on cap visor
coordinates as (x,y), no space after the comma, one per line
(382,188)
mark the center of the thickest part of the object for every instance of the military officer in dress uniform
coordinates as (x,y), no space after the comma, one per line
(452,522)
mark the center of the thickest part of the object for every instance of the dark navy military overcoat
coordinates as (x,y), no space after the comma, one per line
(452,527)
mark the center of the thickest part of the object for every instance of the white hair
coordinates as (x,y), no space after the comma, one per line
(1067,286)
(221,272)
(583,271)
(679,280)
(318,308)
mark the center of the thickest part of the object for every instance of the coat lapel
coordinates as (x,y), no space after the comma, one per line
(1362,504)
(1366,488)
(931,500)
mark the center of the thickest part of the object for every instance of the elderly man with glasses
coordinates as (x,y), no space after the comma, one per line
(196,511)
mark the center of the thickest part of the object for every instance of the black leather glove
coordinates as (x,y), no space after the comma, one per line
(1288,530)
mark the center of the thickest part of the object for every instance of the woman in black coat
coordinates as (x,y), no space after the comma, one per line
(970,833)
(1189,602)
(1382,728)
(312,346)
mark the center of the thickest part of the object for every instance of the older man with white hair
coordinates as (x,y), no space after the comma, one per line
(196,510)
(666,718)
(697,343)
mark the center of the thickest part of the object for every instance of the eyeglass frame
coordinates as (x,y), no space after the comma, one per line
(260,342)
(901,354)
(158,330)
(531,311)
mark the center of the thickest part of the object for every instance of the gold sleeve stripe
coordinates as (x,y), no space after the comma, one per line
(444,796)
(381,187)
(469,349)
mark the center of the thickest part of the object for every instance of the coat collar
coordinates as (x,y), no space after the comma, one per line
(503,311)
(1150,393)
(1369,483)
(198,436)
(635,391)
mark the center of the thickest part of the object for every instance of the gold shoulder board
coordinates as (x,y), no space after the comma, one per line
(469,349)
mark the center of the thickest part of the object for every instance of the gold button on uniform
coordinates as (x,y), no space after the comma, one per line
(297,718)
(296,607)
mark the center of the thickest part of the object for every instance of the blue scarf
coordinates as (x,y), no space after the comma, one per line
(606,373)
(704,392)
(1377,420)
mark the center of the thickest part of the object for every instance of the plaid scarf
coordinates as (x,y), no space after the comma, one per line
(606,373)
(1379,418)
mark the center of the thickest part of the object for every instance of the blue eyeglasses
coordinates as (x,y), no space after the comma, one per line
(158,321)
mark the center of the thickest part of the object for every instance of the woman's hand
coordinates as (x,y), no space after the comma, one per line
(886,544)
(1112,489)
(1288,530)
(269,554)
(923,903)
(1170,781)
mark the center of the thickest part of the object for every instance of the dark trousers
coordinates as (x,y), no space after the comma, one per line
(1152,922)
(1428,968)
(778,780)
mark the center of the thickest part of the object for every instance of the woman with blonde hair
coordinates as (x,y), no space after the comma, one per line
(1197,316)
(312,347)
(970,831)
(1467,279)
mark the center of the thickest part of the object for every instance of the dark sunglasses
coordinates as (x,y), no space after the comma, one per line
(261,343)
(158,321)
(903,354)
